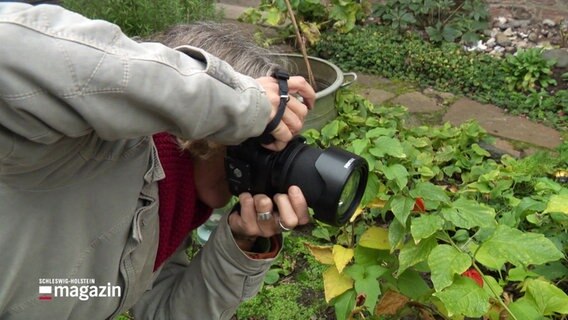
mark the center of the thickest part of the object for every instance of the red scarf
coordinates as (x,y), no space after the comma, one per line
(180,210)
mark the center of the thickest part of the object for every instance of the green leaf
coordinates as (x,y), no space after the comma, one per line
(273,16)
(479,150)
(425,226)
(386,145)
(401,207)
(366,281)
(467,214)
(397,232)
(371,190)
(465,297)
(525,308)
(344,304)
(398,173)
(429,191)
(359,145)
(548,298)
(446,261)
(272,276)
(412,284)
(517,247)
(558,203)
(379,132)
(411,253)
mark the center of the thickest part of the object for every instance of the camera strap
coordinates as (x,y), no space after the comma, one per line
(282,79)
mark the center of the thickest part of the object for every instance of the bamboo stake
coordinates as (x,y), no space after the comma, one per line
(311,78)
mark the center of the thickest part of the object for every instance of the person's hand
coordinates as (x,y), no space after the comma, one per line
(291,211)
(296,110)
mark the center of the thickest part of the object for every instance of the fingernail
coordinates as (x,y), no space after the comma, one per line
(294,190)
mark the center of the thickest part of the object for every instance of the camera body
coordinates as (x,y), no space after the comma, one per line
(332,180)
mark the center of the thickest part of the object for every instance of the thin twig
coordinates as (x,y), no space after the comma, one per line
(300,39)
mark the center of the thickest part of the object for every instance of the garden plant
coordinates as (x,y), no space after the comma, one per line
(446,230)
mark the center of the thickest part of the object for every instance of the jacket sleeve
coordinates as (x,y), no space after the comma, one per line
(211,286)
(62,75)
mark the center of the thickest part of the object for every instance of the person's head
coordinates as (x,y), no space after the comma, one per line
(227,42)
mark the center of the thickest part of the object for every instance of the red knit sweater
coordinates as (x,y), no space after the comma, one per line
(180,210)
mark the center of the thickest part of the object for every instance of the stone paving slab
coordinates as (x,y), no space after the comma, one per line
(416,102)
(500,124)
(377,96)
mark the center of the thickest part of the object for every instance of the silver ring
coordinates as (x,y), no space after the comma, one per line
(282,226)
(263,216)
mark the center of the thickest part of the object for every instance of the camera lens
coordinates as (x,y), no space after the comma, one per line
(348,194)
(332,180)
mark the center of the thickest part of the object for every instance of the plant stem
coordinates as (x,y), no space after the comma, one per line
(493,291)
(484,280)
(302,45)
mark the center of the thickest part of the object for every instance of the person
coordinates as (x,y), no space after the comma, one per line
(80,171)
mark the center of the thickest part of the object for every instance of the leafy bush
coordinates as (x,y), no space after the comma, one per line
(445,230)
(446,66)
(144,17)
(441,20)
(527,70)
(312,16)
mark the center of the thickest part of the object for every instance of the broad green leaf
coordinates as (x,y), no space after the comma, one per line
(359,145)
(412,284)
(342,256)
(335,283)
(479,150)
(323,254)
(446,261)
(397,232)
(425,226)
(525,308)
(547,297)
(398,173)
(465,297)
(375,238)
(517,247)
(411,253)
(386,145)
(558,203)
(366,281)
(491,286)
(272,276)
(379,132)
(344,304)
(467,214)
(371,190)
(273,16)
(401,207)
(430,191)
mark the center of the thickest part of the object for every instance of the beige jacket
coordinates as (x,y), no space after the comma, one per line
(78,171)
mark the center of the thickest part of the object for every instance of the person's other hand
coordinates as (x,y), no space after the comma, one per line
(296,110)
(292,211)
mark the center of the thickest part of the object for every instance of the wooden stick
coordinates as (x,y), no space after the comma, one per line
(311,78)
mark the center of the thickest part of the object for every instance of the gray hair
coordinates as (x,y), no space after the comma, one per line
(226,41)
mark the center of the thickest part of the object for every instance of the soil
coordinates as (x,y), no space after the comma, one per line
(561,84)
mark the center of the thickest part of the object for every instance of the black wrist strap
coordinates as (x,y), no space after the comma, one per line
(282,78)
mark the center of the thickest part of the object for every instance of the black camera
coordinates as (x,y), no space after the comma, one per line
(332,180)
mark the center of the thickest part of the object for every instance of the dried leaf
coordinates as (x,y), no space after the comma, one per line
(390,303)
(323,254)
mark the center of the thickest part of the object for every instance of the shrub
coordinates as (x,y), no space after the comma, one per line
(383,51)
(145,17)
(440,20)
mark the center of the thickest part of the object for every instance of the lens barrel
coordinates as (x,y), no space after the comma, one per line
(324,176)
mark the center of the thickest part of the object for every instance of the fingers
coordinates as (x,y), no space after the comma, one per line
(299,85)
(295,112)
(290,211)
